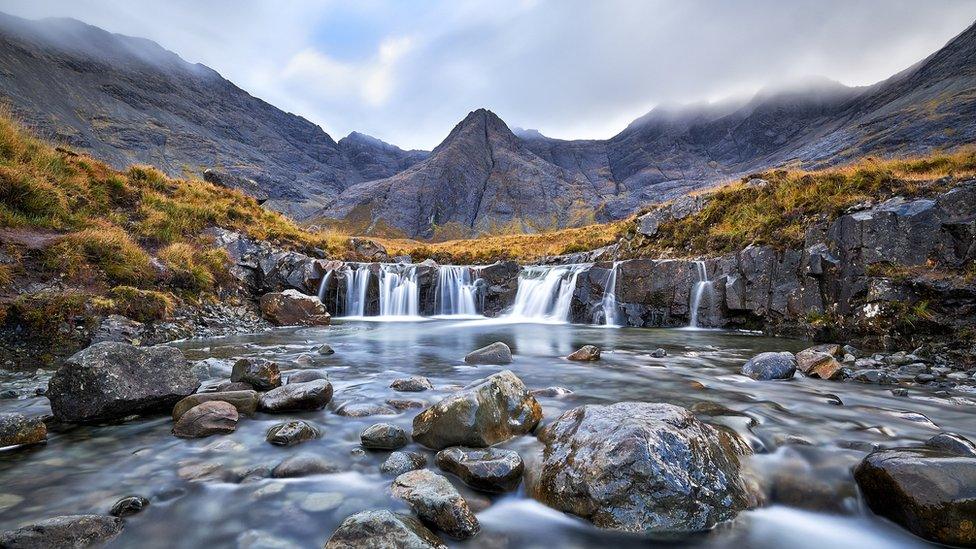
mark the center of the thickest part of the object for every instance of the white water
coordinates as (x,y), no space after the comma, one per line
(457,291)
(399,292)
(702,287)
(546,293)
(324,285)
(357,281)
(609,301)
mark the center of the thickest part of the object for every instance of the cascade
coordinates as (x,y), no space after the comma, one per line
(324,285)
(702,287)
(399,292)
(546,293)
(611,315)
(357,282)
(457,291)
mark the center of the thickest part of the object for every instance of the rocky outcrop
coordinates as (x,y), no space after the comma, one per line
(214,417)
(17,430)
(436,501)
(485,469)
(640,467)
(293,308)
(247,186)
(383,530)
(110,380)
(486,412)
(72,531)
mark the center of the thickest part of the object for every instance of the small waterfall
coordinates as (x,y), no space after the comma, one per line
(399,292)
(611,316)
(357,282)
(457,291)
(546,293)
(702,287)
(324,285)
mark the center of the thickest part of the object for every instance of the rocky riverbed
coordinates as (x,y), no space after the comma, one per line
(302,437)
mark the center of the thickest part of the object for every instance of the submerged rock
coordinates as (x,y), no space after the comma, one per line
(640,467)
(129,505)
(414,384)
(384,436)
(769,366)
(246,402)
(402,462)
(952,443)
(496,353)
(484,413)
(383,530)
(293,308)
(552,392)
(435,500)
(364,409)
(325,350)
(215,417)
(297,397)
(586,353)
(486,469)
(301,465)
(17,429)
(260,373)
(292,432)
(71,531)
(110,381)
(926,490)
(306,375)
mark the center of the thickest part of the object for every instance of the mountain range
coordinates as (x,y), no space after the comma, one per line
(129,100)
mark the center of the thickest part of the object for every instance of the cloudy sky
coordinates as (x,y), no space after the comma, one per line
(406,72)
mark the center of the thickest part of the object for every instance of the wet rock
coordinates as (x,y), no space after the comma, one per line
(260,373)
(872,376)
(484,413)
(820,361)
(17,429)
(659,353)
(297,397)
(292,432)
(769,366)
(229,386)
(925,378)
(383,530)
(952,443)
(364,409)
(435,500)
(414,384)
(384,436)
(486,469)
(302,465)
(496,353)
(405,404)
(306,375)
(293,308)
(640,467)
(899,392)
(401,462)
(214,417)
(246,402)
(110,381)
(325,350)
(586,353)
(928,491)
(129,505)
(552,392)
(71,531)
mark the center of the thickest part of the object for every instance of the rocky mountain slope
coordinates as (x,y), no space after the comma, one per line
(127,100)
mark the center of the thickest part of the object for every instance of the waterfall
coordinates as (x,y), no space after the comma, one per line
(609,301)
(702,286)
(546,293)
(457,291)
(399,292)
(324,285)
(357,281)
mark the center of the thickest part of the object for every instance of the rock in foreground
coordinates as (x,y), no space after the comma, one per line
(383,530)
(72,531)
(292,433)
(260,373)
(586,353)
(17,429)
(297,397)
(384,436)
(485,469)
(402,462)
(639,467)
(435,500)
(496,353)
(769,366)
(246,402)
(110,380)
(293,308)
(484,413)
(215,417)
(929,491)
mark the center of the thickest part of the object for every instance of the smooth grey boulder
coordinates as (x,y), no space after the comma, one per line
(640,467)
(551,392)
(110,381)
(246,402)
(260,373)
(586,353)
(770,366)
(129,505)
(383,530)
(401,462)
(305,376)
(435,500)
(69,532)
(364,409)
(486,412)
(384,436)
(214,417)
(292,432)
(16,429)
(301,465)
(413,384)
(496,353)
(297,397)
(952,443)
(486,469)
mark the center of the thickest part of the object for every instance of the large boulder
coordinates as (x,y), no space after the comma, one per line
(496,353)
(769,366)
(297,397)
(820,361)
(383,530)
(17,429)
(291,433)
(214,417)
(437,501)
(384,436)
(640,467)
(260,373)
(484,413)
(586,353)
(71,531)
(930,491)
(293,308)
(485,469)
(246,402)
(401,462)
(111,380)
(302,465)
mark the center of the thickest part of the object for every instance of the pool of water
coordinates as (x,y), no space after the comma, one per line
(807,434)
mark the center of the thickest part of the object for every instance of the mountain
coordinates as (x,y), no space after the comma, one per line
(481,178)
(127,100)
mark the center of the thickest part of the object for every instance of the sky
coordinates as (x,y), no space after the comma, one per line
(407,72)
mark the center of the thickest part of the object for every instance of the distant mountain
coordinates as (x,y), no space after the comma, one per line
(127,100)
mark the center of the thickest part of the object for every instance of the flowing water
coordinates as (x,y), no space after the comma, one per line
(702,288)
(546,293)
(198,500)
(457,291)
(611,315)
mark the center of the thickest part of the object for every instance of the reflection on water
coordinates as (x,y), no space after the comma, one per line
(804,437)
